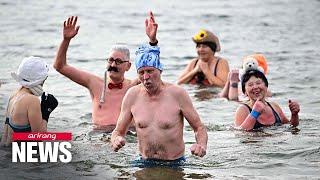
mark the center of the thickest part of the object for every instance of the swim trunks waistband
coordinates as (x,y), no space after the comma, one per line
(152,162)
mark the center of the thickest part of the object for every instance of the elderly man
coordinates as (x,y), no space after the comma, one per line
(106,94)
(158,109)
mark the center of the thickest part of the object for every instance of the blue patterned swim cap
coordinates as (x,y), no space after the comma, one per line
(148,56)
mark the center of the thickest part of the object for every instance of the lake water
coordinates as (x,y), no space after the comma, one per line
(285,31)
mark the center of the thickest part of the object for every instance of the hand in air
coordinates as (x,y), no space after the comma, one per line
(294,107)
(151,28)
(118,142)
(69,27)
(234,76)
(198,150)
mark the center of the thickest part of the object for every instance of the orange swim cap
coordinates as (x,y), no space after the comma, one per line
(262,61)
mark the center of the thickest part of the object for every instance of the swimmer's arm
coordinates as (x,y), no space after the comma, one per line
(81,77)
(193,118)
(294,121)
(222,74)
(243,119)
(187,73)
(125,116)
(230,89)
(151,28)
(123,123)
(225,91)
(34,115)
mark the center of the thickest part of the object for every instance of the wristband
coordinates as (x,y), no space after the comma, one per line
(153,44)
(255,114)
(234,85)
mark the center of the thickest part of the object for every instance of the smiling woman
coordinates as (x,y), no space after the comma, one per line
(257,112)
(207,69)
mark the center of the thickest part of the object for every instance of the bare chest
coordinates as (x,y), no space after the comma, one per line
(163,114)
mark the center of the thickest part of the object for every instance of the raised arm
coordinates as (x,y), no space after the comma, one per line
(124,121)
(70,30)
(151,29)
(230,89)
(294,108)
(191,115)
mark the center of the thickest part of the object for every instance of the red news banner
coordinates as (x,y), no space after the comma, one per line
(42,136)
(41,147)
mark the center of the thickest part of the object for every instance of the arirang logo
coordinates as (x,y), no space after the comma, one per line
(25,149)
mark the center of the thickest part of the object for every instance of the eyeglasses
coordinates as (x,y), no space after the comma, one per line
(118,61)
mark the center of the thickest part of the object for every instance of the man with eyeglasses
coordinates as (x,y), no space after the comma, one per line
(106,94)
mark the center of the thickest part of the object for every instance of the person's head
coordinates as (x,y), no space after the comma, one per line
(118,61)
(148,66)
(254,84)
(31,74)
(206,42)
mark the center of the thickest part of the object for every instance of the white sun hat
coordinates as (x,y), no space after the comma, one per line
(32,72)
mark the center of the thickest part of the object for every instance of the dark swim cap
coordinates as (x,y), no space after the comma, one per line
(256,73)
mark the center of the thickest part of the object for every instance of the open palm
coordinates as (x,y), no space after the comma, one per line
(151,27)
(69,27)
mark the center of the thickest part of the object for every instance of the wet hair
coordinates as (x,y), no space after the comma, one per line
(123,49)
(212,45)
(256,73)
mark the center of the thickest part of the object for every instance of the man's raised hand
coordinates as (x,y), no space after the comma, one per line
(69,28)
(151,28)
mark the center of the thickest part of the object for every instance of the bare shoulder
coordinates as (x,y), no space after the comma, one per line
(275,106)
(193,61)
(134,82)
(176,91)
(174,88)
(32,101)
(134,90)
(241,114)
(242,109)
(222,60)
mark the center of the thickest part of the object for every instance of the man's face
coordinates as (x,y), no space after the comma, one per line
(149,77)
(117,64)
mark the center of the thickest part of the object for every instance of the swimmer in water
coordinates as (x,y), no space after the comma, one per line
(158,110)
(25,112)
(258,112)
(106,93)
